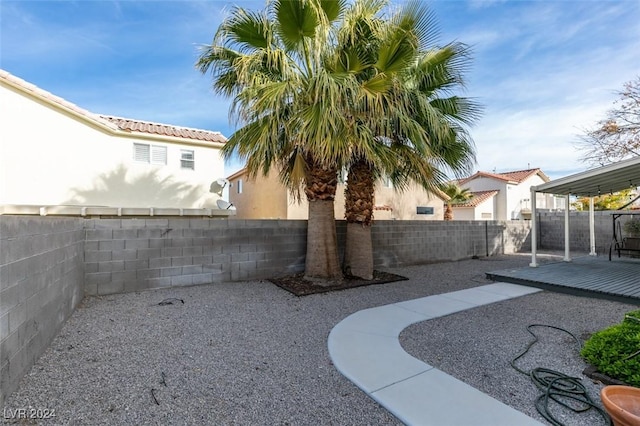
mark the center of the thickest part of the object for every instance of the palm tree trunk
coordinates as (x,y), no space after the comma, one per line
(358,255)
(322,262)
(448,212)
(359,199)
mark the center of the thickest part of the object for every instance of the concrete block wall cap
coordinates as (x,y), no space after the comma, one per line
(117,211)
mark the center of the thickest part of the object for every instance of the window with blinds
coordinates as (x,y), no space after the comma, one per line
(150,154)
(187,159)
(158,154)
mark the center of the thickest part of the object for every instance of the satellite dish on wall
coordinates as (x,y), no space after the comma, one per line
(218,185)
(225,205)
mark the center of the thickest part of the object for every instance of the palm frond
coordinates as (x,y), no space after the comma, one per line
(442,68)
(245,29)
(296,21)
(417,19)
(333,9)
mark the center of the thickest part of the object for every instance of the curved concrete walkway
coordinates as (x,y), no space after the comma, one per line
(365,348)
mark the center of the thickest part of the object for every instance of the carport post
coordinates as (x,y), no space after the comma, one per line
(592,229)
(567,258)
(534,236)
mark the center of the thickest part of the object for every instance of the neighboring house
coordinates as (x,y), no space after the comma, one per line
(267,198)
(53,152)
(481,206)
(504,196)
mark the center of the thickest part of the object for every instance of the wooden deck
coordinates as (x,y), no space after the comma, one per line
(588,276)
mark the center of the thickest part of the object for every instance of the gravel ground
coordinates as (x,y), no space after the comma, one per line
(252,353)
(478,345)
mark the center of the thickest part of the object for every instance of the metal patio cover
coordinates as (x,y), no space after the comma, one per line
(603,180)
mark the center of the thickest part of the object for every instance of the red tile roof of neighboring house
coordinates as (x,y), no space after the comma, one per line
(477,199)
(520,175)
(514,176)
(129,125)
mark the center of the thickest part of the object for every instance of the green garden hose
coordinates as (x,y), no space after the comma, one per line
(557,386)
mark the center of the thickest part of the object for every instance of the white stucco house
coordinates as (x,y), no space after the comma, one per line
(54,153)
(504,196)
(482,206)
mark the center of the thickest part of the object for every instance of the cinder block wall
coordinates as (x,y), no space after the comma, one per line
(551,231)
(41,283)
(125,255)
(398,243)
(516,236)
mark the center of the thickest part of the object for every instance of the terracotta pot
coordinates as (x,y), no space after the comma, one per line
(622,403)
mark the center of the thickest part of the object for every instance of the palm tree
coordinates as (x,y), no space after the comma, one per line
(456,195)
(272,64)
(420,133)
(315,94)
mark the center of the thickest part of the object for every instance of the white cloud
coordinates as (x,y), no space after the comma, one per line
(543,137)
(551,70)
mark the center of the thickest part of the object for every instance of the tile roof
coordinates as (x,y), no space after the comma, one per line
(110,122)
(477,199)
(520,175)
(514,176)
(139,126)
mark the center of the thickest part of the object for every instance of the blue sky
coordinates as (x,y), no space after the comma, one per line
(544,70)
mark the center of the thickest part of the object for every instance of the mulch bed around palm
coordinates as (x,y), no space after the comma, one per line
(299,286)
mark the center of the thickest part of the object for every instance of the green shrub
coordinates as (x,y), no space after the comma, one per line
(635,317)
(610,350)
